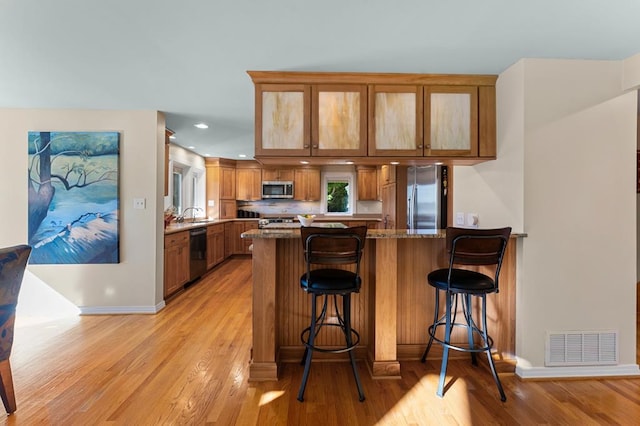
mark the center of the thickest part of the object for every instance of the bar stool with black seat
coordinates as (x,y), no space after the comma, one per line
(326,251)
(467,247)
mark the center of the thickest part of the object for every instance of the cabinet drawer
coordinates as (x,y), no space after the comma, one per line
(178,238)
(215,229)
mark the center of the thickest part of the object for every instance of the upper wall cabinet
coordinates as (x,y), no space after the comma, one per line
(451,121)
(438,121)
(339,120)
(317,120)
(395,127)
(412,118)
(283,113)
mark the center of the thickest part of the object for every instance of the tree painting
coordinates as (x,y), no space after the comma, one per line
(73,197)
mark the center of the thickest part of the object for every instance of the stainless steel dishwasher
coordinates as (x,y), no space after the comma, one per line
(198,253)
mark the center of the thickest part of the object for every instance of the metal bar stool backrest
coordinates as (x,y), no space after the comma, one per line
(333,246)
(477,247)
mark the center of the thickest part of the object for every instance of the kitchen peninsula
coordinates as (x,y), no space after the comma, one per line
(391,312)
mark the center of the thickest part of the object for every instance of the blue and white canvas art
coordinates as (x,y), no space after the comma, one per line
(73,197)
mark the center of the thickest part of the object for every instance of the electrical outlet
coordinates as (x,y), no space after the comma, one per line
(211,203)
(472,220)
(460,219)
(139,203)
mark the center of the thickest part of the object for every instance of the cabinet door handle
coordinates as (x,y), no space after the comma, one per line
(420,146)
(306,145)
(315,146)
(428,146)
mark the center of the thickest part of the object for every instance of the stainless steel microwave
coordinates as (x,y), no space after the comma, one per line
(277,189)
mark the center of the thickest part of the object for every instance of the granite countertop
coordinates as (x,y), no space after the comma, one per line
(187,224)
(371,233)
(199,223)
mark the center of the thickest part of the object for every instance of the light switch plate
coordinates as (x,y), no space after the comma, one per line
(460,219)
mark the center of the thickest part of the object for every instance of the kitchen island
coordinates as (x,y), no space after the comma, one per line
(391,312)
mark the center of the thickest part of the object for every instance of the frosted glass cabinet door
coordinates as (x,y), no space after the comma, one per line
(451,121)
(282,119)
(395,120)
(339,122)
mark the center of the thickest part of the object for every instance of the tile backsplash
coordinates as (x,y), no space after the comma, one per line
(291,208)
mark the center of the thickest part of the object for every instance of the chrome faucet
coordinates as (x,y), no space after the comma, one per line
(193,216)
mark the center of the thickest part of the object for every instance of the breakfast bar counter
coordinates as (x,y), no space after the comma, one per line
(391,312)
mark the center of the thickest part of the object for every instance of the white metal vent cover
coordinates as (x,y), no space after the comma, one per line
(565,348)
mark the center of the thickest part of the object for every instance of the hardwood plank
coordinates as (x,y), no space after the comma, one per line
(189,364)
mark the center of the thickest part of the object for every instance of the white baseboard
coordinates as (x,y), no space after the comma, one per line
(121,310)
(578,372)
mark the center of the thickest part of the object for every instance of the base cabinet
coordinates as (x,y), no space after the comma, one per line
(246,242)
(176,262)
(215,245)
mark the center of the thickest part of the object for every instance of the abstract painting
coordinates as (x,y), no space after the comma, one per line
(73,197)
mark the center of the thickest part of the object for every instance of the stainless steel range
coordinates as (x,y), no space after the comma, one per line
(277,222)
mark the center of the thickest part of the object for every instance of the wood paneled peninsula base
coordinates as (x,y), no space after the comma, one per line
(391,312)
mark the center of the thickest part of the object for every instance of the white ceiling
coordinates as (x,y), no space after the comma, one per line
(189,58)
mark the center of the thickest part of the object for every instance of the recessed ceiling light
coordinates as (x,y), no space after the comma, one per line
(348,162)
(242,155)
(395,163)
(191,147)
(304,162)
(207,155)
(172,137)
(201,126)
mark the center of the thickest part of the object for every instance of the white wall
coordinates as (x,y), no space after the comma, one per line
(574,176)
(495,189)
(135,284)
(192,165)
(631,72)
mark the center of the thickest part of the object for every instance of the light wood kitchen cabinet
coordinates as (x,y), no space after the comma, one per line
(387,174)
(388,195)
(237,244)
(221,188)
(229,240)
(227,209)
(277,174)
(283,119)
(246,242)
(451,121)
(419,118)
(367,183)
(310,119)
(430,121)
(176,261)
(307,185)
(228,183)
(248,183)
(395,120)
(339,120)
(215,245)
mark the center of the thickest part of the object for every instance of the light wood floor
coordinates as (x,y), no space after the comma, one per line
(189,365)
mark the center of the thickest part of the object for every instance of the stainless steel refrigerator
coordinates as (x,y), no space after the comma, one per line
(427,197)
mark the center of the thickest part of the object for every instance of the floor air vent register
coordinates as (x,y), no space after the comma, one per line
(572,348)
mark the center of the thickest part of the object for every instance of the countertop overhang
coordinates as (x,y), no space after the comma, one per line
(371,233)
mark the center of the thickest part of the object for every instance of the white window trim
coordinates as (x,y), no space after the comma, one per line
(338,176)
